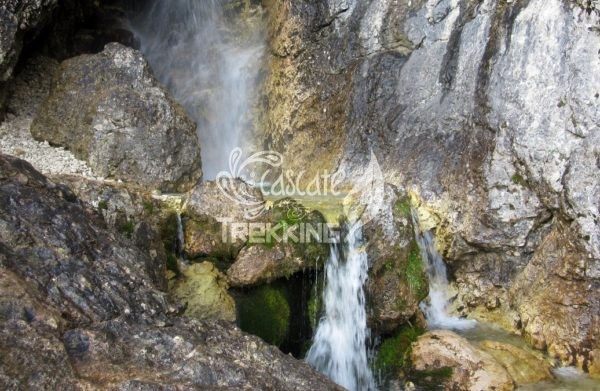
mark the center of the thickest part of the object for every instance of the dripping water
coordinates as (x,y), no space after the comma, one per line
(339,348)
(180,237)
(436,307)
(209,55)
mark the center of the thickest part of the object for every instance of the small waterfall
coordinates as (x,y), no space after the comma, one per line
(435,309)
(339,346)
(209,56)
(180,237)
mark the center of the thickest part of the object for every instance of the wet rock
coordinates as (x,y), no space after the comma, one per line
(202,289)
(447,97)
(289,251)
(109,110)
(523,366)
(78,310)
(470,367)
(556,298)
(397,279)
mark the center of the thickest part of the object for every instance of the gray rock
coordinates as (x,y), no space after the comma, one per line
(78,310)
(486,111)
(110,111)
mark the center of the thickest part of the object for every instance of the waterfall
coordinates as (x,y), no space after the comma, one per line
(435,309)
(339,346)
(180,236)
(208,54)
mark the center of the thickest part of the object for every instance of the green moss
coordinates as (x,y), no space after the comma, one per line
(403,207)
(127,228)
(172,264)
(265,312)
(149,207)
(168,232)
(103,205)
(393,353)
(431,380)
(517,179)
(415,273)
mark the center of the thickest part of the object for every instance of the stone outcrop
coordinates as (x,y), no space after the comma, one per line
(79,311)
(109,110)
(468,367)
(448,97)
(397,281)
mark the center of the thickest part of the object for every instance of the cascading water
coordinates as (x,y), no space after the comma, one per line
(435,309)
(208,55)
(339,346)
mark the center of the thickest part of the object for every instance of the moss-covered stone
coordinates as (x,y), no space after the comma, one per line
(265,312)
(393,353)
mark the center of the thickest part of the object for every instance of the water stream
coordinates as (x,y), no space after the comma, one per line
(436,307)
(209,56)
(339,346)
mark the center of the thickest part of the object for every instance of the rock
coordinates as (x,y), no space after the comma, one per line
(18,18)
(446,95)
(78,310)
(86,272)
(265,261)
(110,111)
(203,291)
(472,368)
(207,204)
(524,367)
(557,300)
(397,280)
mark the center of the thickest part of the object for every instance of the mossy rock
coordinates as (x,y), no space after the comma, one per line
(265,312)
(393,353)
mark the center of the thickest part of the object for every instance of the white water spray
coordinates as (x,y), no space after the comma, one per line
(209,57)
(436,308)
(339,346)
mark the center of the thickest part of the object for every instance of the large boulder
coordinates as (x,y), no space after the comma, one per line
(110,111)
(78,310)
(468,368)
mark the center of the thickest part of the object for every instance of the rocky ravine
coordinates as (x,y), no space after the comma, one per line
(487,111)
(79,311)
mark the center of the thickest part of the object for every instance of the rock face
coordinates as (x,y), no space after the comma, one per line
(472,369)
(78,310)
(18,18)
(110,111)
(447,95)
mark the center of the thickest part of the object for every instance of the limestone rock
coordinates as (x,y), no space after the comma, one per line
(472,369)
(447,96)
(110,111)
(523,366)
(203,290)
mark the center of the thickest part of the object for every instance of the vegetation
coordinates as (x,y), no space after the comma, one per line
(415,273)
(403,207)
(392,357)
(127,228)
(265,312)
(517,179)
(103,205)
